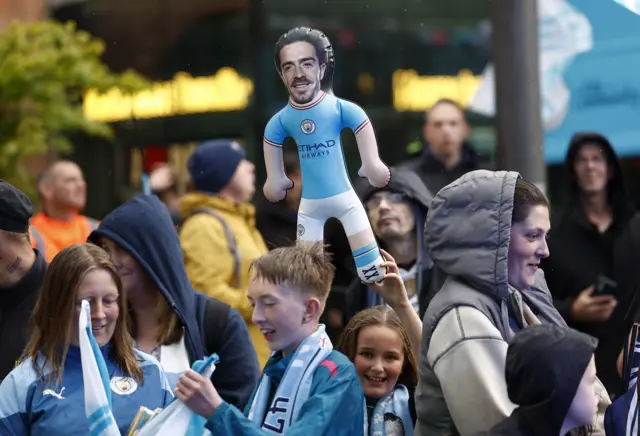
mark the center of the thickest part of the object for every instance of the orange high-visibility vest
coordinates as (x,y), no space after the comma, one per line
(50,236)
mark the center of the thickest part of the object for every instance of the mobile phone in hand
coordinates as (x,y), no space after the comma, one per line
(604,286)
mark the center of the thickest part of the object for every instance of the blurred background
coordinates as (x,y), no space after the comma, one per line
(209,73)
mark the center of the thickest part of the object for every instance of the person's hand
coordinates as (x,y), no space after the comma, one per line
(198,393)
(378,174)
(587,308)
(392,288)
(276,189)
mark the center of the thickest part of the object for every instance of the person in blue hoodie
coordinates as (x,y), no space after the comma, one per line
(168,319)
(307,387)
(45,394)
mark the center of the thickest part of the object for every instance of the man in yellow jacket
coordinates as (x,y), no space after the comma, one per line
(218,236)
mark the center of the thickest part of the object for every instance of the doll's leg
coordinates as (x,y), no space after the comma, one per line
(367,257)
(310,225)
(362,241)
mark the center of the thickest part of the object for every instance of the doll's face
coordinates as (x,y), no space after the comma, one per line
(301,71)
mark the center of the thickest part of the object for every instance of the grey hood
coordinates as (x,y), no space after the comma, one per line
(468,229)
(406,182)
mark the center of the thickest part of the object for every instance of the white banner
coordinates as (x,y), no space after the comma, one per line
(564,33)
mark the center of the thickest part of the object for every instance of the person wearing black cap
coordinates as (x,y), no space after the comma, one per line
(21,273)
(551,376)
(219,237)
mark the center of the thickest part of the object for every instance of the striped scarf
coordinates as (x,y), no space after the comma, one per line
(391,416)
(294,387)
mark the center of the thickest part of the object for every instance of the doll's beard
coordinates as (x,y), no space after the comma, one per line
(305,99)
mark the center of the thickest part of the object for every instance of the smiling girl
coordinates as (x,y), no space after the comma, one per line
(44,395)
(381,342)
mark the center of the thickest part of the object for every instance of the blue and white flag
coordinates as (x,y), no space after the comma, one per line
(177,419)
(97,393)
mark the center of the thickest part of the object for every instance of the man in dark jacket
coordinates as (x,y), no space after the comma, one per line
(447,154)
(22,272)
(397,214)
(581,270)
(142,227)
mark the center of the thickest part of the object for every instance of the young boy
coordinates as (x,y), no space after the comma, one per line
(306,387)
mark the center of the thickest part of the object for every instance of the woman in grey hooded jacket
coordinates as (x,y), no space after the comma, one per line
(487,232)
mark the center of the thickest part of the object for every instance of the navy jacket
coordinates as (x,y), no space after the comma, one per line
(143,228)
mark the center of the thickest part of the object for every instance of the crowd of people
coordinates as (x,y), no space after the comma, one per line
(490,319)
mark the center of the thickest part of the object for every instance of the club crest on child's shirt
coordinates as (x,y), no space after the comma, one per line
(123,385)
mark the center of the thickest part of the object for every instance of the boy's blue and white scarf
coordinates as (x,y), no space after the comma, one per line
(396,403)
(97,391)
(294,388)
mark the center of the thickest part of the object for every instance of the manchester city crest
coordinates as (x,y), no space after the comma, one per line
(123,385)
(308,127)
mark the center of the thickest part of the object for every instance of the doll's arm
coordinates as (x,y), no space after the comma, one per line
(355,118)
(272,143)
(372,168)
(273,160)
(367,144)
(277,183)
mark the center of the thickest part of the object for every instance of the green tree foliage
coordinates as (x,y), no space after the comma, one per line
(45,69)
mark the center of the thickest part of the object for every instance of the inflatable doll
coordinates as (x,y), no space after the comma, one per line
(314,118)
